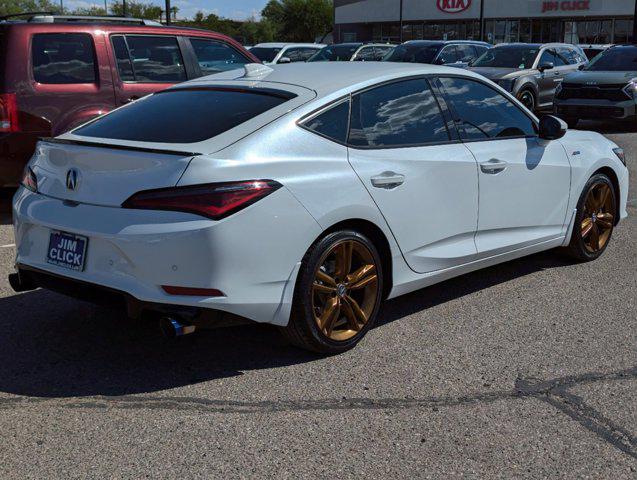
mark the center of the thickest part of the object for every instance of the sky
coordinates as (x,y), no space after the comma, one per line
(235,9)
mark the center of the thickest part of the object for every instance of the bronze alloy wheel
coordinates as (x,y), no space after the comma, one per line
(598,220)
(345,290)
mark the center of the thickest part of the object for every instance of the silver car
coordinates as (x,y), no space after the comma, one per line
(531,72)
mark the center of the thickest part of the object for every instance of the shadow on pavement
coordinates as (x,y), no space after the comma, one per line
(52,346)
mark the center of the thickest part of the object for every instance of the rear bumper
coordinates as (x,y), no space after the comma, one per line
(251,256)
(595,109)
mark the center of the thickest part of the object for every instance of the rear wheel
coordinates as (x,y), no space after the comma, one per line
(337,295)
(527,97)
(595,219)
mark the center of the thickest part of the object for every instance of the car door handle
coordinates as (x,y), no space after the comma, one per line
(388,180)
(493,166)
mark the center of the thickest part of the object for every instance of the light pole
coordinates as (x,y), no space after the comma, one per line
(123,8)
(167,12)
(401,21)
(635,24)
(482,20)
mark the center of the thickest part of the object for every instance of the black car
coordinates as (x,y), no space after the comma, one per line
(453,52)
(605,89)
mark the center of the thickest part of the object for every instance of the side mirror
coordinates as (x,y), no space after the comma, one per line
(285,60)
(582,67)
(546,66)
(552,128)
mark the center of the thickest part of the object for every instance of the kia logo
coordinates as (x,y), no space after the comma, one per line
(72,179)
(453,6)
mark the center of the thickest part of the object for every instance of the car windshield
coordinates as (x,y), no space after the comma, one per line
(508,57)
(618,59)
(413,53)
(265,54)
(184,115)
(335,53)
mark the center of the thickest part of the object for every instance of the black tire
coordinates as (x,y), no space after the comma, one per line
(578,247)
(302,329)
(527,98)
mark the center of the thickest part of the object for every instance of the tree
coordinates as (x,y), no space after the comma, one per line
(137,10)
(299,20)
(9,7)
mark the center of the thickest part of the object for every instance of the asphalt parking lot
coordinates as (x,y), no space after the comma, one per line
(527,369)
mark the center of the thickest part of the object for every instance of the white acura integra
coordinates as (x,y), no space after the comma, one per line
(304,195)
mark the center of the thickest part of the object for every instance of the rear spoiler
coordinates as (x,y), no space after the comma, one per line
(118,147)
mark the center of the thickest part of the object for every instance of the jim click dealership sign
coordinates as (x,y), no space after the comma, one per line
(453,6)
(566,6)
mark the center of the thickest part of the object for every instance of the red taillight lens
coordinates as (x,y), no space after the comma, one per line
(216,200)
(29,180)
(8,113)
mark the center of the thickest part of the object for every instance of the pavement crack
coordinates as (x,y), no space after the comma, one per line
(554,392)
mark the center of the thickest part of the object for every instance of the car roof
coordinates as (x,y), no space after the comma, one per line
(287,44)
(446,42)
(326,78)
(534,45)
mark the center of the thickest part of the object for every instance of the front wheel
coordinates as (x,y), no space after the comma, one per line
(595,219)
(337,295)
(527,98)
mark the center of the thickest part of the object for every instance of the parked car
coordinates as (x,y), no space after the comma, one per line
(270,53)
(352,52)
(531,72)
(218,195)
(457,53)
(591,51)
(57,72)
(606,88)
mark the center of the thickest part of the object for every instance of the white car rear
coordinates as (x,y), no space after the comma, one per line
(302,195)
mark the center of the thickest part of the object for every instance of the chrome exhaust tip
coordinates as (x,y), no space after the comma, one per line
(173,328)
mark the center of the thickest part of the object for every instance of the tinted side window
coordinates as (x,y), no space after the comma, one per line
(399,114)
(299,54)
(380,52)
(466,53)
(448,55)
(156,59)
(484,113)
(215,56)
(547,57)
(63,58)
(365,55)
(183,115)
(570,55)
(124,64)
(332,123)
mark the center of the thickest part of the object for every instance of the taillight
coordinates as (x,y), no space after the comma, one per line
(29,180)
(216,200)
(8,113)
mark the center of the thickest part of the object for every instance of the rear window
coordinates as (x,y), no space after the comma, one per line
(62,58)
(265,54)
(184,115)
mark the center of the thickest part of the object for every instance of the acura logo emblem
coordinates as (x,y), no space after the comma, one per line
(72,179)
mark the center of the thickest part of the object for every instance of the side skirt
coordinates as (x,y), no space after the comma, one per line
(406,282)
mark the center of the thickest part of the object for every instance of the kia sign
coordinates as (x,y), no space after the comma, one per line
(453,6)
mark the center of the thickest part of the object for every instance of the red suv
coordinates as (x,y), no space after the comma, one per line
(57,72)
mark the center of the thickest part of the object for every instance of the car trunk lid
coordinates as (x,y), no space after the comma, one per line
(103,175)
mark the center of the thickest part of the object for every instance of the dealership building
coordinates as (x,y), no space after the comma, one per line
(571,21)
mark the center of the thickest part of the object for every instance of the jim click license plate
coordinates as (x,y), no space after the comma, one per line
(67,250)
